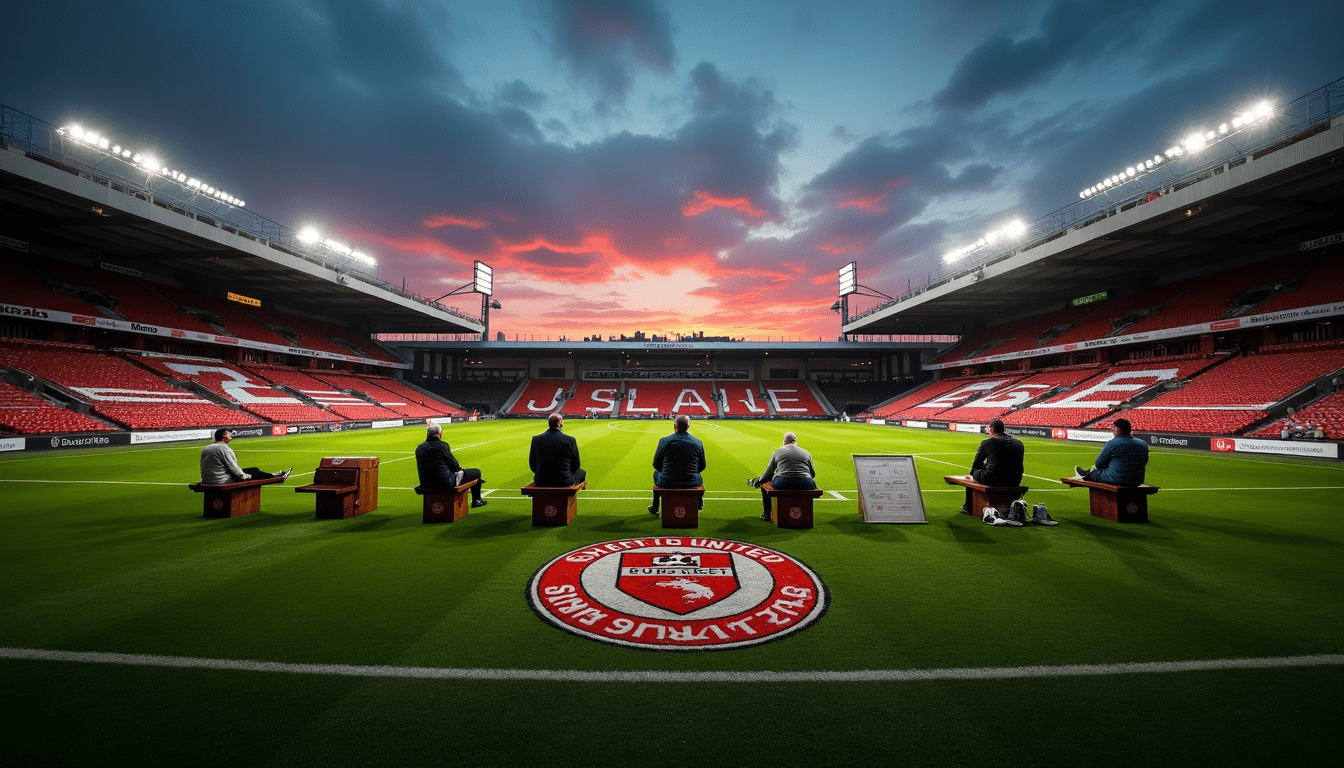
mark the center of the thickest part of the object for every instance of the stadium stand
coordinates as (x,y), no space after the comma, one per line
(473,394)
(1328,412)
(744,398)
(793,398)
(22,412)
(132,298)
(1116,317)
(315,334)
(1203,300)
(1236,394)
(383,397)
(338,402)
(1009,397)
(593,398)
(27,287)
(233,316)
(660,398)
(956,392)
(1319,284)
(857,396)
(118,390)
(1107,391)
(251,392)
(540,397)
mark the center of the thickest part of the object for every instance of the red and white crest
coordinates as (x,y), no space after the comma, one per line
(676,582)
(678,593)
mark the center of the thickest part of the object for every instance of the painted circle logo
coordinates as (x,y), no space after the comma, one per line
(437,508)
(551,511)
(795,512)
(678,594)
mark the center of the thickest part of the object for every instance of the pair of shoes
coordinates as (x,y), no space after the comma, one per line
(765,516)
(1041,516)
(652,510)
(285,474)
(477,503)
(1078,472)
(991,515)
(1018,511)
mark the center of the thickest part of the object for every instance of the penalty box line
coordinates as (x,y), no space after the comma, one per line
(659,676)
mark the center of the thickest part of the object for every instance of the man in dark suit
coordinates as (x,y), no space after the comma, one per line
(997,462)
(678,461)
(554,458)
(439,470)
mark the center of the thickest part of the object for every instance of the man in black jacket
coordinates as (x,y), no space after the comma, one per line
(554,458)
(998,462)
(439,471)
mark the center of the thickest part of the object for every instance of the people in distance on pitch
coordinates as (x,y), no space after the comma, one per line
(678,461)
(439,471)
(790,469)
(219,465)
(1122,460)
(554,458)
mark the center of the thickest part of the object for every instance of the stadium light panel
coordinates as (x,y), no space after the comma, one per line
(483,279)
(148,163)
(849,278)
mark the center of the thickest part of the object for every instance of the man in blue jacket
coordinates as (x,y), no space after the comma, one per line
(1122,460)
(678,461)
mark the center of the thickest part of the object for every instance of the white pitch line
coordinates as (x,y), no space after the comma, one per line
(660,676)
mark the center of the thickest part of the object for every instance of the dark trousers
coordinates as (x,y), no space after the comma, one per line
(658,483)
(787,484)
(468,474)
(257,474)
(981,476)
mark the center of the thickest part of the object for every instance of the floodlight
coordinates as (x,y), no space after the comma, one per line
(308,235)
(483,278)
(849,278)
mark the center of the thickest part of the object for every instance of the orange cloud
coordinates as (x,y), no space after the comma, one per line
(876,203)
(444,220)
(705,201)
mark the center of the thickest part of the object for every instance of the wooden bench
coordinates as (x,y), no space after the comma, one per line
(446,507)
(681,506)
(996,496)
(1118,503)
(233,499)
(791,509)
(336,491)
(554,506)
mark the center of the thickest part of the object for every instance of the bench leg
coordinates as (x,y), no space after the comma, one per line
(994,497)
(554,509)
(235,503)
(333,507)
(681,510)
(444,507)
(791,511)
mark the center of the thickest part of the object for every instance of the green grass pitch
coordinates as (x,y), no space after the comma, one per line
(106,551)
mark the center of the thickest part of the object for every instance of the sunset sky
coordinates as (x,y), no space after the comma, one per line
(667,167)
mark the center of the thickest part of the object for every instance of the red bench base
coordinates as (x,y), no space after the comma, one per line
(791,509)
(554,506)
(1117,503)
(234,499)
(997,496)
(446,507)
(681,506)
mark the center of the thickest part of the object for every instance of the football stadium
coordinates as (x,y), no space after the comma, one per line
(346,612)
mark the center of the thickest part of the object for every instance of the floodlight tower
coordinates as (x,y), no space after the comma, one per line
(482,282)
(849,285)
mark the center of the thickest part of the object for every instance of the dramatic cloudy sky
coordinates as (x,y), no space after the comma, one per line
(671,167)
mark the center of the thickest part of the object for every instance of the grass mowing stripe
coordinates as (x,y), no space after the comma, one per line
(652,676)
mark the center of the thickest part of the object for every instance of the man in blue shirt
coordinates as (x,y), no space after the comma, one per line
(1121,461)
(678,461)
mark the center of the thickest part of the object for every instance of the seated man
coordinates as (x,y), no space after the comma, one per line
(1121,461)
(790,469)
(219,466)
(439,471)
(997,462)
(678,461)
(554,458)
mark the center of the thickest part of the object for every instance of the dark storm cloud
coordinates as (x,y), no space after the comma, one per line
(518,94)
(604,42)
(1072,32)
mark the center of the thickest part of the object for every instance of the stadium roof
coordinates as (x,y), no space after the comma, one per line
(54,205)
(1252,208)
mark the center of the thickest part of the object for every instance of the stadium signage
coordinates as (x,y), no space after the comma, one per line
(241,299)
(916,424)
(141,438)
(1321,242)
(11,444)
(1194,442)
(99,440)
(1029,431)
(678,594)
(9,242)
(1320,450)
(1081,300)
(118,268)
(385,424)
(959,427)
(1250,321)
(67,318)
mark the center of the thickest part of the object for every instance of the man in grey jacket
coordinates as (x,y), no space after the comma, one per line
(790,469)
(220,467)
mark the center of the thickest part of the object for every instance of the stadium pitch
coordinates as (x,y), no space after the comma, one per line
(133,629)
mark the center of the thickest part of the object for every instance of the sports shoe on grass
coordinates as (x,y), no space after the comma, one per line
(1041,516)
